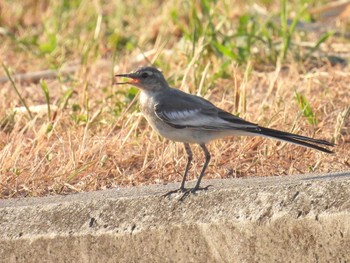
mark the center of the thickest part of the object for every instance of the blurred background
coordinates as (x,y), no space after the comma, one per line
(64,126)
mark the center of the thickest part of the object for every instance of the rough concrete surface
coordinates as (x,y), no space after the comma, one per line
(276,219)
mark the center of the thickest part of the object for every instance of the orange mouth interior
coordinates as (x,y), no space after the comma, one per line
(134,81)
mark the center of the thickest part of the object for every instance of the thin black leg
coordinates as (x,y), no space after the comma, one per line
(189,160)
(197,186)
(207,160)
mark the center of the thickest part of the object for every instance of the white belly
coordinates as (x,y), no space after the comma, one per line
(187,135)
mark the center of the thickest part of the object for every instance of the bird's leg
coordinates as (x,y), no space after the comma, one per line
(189,160)
(197,186)
(207,160)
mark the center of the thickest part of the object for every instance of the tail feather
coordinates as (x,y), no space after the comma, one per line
(296,139)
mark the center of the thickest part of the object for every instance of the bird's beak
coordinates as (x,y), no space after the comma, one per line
(134,79)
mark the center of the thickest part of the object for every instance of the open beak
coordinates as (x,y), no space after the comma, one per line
(132,76)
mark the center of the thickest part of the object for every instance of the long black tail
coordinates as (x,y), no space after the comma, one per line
(296,139)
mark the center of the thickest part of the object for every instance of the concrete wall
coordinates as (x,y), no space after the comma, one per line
(274,219)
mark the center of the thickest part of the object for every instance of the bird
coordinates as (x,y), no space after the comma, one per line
(190,119)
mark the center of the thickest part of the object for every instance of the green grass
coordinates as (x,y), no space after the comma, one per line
(89,134)
(14,86)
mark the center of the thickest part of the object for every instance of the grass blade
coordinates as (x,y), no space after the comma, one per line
(321,40)
(45,89)
(15,88)
(306,109)
(287,32)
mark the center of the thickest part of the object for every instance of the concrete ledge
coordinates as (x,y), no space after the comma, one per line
(275,219)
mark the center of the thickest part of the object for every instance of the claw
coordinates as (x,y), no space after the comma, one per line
(180,190)
(186,192)
(193,191)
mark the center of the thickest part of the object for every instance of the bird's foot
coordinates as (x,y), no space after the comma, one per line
(193,191)
(186,191)
(180,190)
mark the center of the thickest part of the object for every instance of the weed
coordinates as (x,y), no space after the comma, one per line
(45,89)
(306,109)
(92,135)
(17,92)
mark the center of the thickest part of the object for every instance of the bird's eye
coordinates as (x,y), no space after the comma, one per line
(144,75)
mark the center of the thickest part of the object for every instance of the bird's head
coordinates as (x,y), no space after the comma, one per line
(146,78)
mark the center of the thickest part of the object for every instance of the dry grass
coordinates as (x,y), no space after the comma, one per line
(96,137)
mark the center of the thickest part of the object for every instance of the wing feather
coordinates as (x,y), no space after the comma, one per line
(197,113)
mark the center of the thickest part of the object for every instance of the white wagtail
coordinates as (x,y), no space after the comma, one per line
(187,118)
